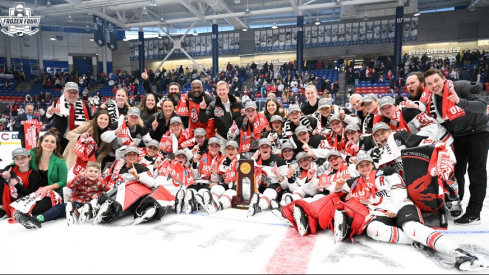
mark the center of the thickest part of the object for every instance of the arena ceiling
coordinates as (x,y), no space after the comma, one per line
(238,14)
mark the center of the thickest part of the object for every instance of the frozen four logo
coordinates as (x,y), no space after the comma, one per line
(20,21)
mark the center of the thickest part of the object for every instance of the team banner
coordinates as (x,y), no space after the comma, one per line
(406,29)
(288,39)
(236,42)
(131,50)
(208,45)
(32,128)
(362,31)
(269,40)
(354,33)
(327,35)
(321,36)
(99,30)
(294,38)
(111,36)
(348,34)
(384,34)
(151,53)
(370,32)
(414,28)
(161,49)
(225,43)
(281,40)
(334,35)
(275,39)
(391,30)
(377,29)
(314,36)
(341,34)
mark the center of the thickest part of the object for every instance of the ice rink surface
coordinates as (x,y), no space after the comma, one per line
(225,242)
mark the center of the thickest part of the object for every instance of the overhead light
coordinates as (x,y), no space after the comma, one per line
(338,2)
(162,20)
(152,3)
(145,11)
(318,22)
(52,37)
(274,26)
(87,28)
(160,36)
(237,1)
(472,7)
(123,39)
(365,18)
(70,19)
(48,4)
(195,32)
(247,11)
(91,38)
(417,13)
(245,29)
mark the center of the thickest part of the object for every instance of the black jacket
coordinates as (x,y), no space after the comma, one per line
(475,119)
(222,119)
(162,127)
(61,123)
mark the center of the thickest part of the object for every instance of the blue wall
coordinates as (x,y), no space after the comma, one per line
(101,67)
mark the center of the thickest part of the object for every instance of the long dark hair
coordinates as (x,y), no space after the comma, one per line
(94,125)
(144,109)
(38,150)
(280,111)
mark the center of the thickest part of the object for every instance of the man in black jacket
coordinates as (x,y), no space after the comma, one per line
(67,112)
(222,112)
(467,121)
(20,121)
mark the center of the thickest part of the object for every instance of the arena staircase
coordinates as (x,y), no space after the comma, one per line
(343,91)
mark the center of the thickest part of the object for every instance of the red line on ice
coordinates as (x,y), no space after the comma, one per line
(292,255)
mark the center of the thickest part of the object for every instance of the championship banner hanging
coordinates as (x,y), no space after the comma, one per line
(32,128)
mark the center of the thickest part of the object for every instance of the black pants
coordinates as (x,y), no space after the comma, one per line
(472,150)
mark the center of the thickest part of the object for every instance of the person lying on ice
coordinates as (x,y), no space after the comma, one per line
(129,181)
(269,171)
(305,214)
(395,218)
(203,167)
(223,186)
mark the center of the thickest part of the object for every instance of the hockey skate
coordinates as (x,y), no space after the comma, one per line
(455,208)
(104,211)
(179,197)
(86,213)
(189,203)
(200,201)
(464,261)
(275,206)
(72,214)
(288,198)
(301,220)
(146,216)
(341,226)
(27,221)
(254,206)
(209,203)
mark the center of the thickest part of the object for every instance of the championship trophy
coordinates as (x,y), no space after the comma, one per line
(245,185)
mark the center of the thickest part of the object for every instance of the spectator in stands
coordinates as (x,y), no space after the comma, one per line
(463,110)
(20,121)
(67,112)
(15,109)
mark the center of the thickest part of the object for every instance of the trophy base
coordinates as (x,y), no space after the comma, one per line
(239,203)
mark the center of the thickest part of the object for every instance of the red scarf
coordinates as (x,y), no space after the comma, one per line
(182,107)
(113,175)
(205,164)
(125,135)
(231,175)
(258,171)
(396,122)
(450,110)
(85,150)
(441,165)
(363,188)
(185,140)
(192,110)
(334,142)
(327,179)
(349,151)
(259,124)
(32,128)
(163,169)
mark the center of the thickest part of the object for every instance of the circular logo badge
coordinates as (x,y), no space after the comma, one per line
(218,112)
(194,116)
(245,168)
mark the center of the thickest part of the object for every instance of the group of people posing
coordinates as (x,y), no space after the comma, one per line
(390,170)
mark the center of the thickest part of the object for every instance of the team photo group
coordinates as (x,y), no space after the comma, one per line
(393,168)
